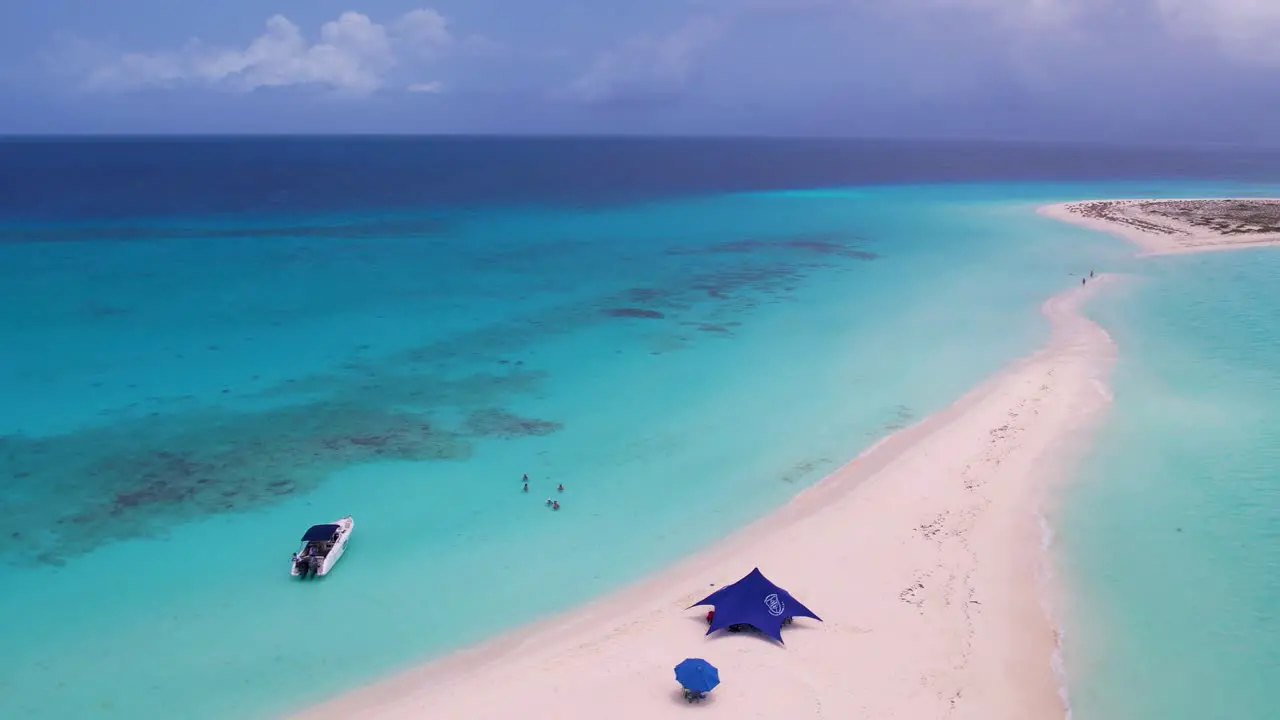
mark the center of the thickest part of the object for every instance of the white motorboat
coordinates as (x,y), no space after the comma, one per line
(322,545)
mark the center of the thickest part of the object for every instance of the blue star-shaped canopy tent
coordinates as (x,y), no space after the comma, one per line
(754,601)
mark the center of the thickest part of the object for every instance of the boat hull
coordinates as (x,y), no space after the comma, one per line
(346,525)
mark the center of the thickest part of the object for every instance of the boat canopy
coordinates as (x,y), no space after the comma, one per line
(321,533)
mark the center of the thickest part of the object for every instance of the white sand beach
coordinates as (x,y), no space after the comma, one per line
(924,556)
(1163,227)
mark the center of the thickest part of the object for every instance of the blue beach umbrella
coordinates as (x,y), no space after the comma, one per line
(697,675)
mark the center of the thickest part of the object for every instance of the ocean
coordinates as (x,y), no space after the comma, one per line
(215,343)
(1170,538)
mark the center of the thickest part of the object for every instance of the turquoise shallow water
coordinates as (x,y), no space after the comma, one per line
(1171,536)
(183,408)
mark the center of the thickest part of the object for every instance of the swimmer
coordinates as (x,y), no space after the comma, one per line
(555,505)
(560,487)
(548,502)
(526,488)
(524,478)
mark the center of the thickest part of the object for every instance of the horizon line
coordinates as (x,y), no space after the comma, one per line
(169,136)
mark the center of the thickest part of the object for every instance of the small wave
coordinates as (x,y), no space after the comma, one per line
(1044,577)
(876,445)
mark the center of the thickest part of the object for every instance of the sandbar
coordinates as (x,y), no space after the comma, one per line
(924,555)
(1164,227)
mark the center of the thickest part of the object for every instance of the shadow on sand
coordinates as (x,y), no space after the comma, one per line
(677,697)
(701,623)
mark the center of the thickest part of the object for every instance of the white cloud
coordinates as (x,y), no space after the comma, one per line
(646,66)
(352,56)
(1245,30)
(435,86)
(1003,12)
(1022,13)
(654,67)
(425,26)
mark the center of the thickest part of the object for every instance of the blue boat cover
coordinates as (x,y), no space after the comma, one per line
(320,533)
(754,601)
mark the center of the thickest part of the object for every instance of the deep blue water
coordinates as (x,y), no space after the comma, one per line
(82,179)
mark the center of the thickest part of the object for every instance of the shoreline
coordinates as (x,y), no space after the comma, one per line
(1173,226)
(926,555)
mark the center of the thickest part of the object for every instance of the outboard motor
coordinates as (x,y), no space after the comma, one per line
(306,565)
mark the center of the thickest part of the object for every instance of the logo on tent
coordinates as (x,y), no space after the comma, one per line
(773,604)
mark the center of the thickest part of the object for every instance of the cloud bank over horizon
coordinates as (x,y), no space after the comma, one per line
(353,56)
(688,65)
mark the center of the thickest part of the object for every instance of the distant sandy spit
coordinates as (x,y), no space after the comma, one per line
(1164,227)
(924,555)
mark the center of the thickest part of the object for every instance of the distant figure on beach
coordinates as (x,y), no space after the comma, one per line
(555,505)
(560,487)
(1083,280)
(711,615)
(1090,273)
(526,488)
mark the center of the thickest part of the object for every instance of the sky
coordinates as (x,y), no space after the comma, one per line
(1162,71)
